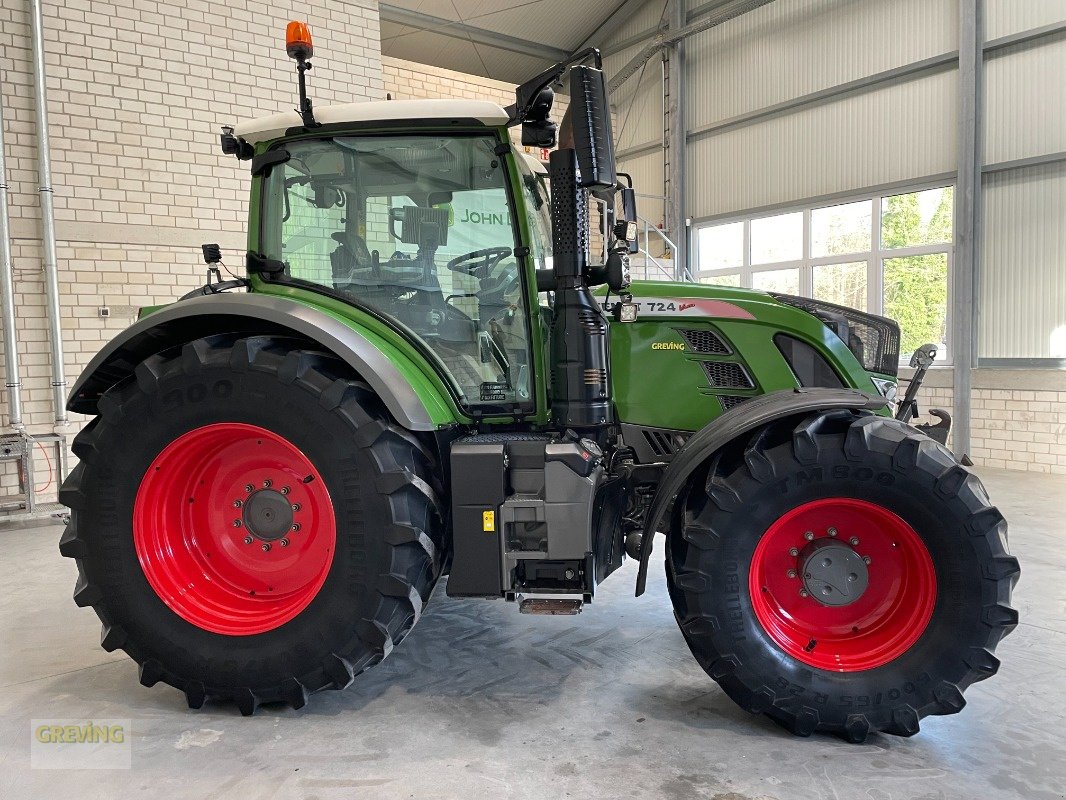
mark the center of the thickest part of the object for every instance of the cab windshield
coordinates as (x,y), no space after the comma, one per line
(418,228)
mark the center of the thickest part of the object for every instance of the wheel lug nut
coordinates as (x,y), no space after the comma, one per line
(249,488)
(268,483)
(793,551)
(295,506)
(803,593)
(808,535)
(237,523)
(237,504)
(285,490)
(832,531)
(792,573)
(867,559)
(853,540)
(248,540)
(284,542)
(296,526)
(266,547)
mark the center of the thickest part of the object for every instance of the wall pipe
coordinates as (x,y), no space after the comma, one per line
(48,231)
(11,348)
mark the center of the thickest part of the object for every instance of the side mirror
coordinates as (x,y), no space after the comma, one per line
(629,217)
(592,127)
(537,129)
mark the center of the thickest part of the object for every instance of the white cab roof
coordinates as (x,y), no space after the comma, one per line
(258,130)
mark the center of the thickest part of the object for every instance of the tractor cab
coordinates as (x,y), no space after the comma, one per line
(420,228)
(423,214)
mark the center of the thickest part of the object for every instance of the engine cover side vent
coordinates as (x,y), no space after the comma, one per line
(727,375)
(729,401)
(707,342)
(654,444)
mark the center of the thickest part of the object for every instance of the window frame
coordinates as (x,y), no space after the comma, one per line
(875,257)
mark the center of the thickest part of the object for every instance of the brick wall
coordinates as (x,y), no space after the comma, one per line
(1020,429)
(1018,416)
(137,92)
(405,80)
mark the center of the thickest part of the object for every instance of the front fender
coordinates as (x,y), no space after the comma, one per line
(256,313)
(739,421)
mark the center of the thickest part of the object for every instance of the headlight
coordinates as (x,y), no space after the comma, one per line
(886,387)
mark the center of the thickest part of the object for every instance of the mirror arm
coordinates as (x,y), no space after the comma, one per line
(526,94)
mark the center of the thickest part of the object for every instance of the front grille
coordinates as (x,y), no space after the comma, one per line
(707,342)
(729,401)
(726,375)
(874,340)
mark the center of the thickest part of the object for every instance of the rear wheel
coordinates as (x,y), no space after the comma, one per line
(249,524)
(843,574)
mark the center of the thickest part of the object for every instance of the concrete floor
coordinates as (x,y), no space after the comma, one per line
(481,702)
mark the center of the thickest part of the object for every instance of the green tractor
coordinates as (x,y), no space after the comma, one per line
(424,374)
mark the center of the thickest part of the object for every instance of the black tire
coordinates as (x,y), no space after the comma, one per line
(389,519)
(731,503)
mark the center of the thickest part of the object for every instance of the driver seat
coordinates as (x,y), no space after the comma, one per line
(351,254)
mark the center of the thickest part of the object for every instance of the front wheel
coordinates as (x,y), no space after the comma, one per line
(844,574)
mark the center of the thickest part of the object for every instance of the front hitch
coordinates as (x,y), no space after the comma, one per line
(921,361)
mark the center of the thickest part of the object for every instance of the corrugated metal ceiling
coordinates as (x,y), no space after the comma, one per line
(508,40)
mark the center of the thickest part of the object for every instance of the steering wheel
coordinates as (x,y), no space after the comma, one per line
(479,263)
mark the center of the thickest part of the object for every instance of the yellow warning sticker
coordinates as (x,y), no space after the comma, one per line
(488,520)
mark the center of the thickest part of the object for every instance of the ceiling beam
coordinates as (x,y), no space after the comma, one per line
(470,33)
(720,14)
(614,21)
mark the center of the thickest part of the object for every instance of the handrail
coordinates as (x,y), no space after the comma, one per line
(677,273)
(680,272)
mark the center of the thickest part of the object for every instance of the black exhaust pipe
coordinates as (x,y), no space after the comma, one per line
(580,390)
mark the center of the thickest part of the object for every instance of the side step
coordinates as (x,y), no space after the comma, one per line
(552,606)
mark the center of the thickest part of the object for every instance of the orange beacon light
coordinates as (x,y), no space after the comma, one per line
(298,41)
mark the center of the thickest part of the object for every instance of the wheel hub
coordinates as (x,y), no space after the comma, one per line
(268,515)
(833,573)
(842,584)
(234,528)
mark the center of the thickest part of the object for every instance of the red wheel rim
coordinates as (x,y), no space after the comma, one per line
(234,528)
(881,623)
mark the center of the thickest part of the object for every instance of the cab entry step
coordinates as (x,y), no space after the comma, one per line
(552,606)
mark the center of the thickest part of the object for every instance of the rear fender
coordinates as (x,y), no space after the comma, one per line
(735,423)
(255,313)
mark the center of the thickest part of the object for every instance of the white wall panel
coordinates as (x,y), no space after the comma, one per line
(638,103)
(901,132)
(648,178)
(638,108)
(1025,112)
(791,48)
(1023,293)
(1004,17)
